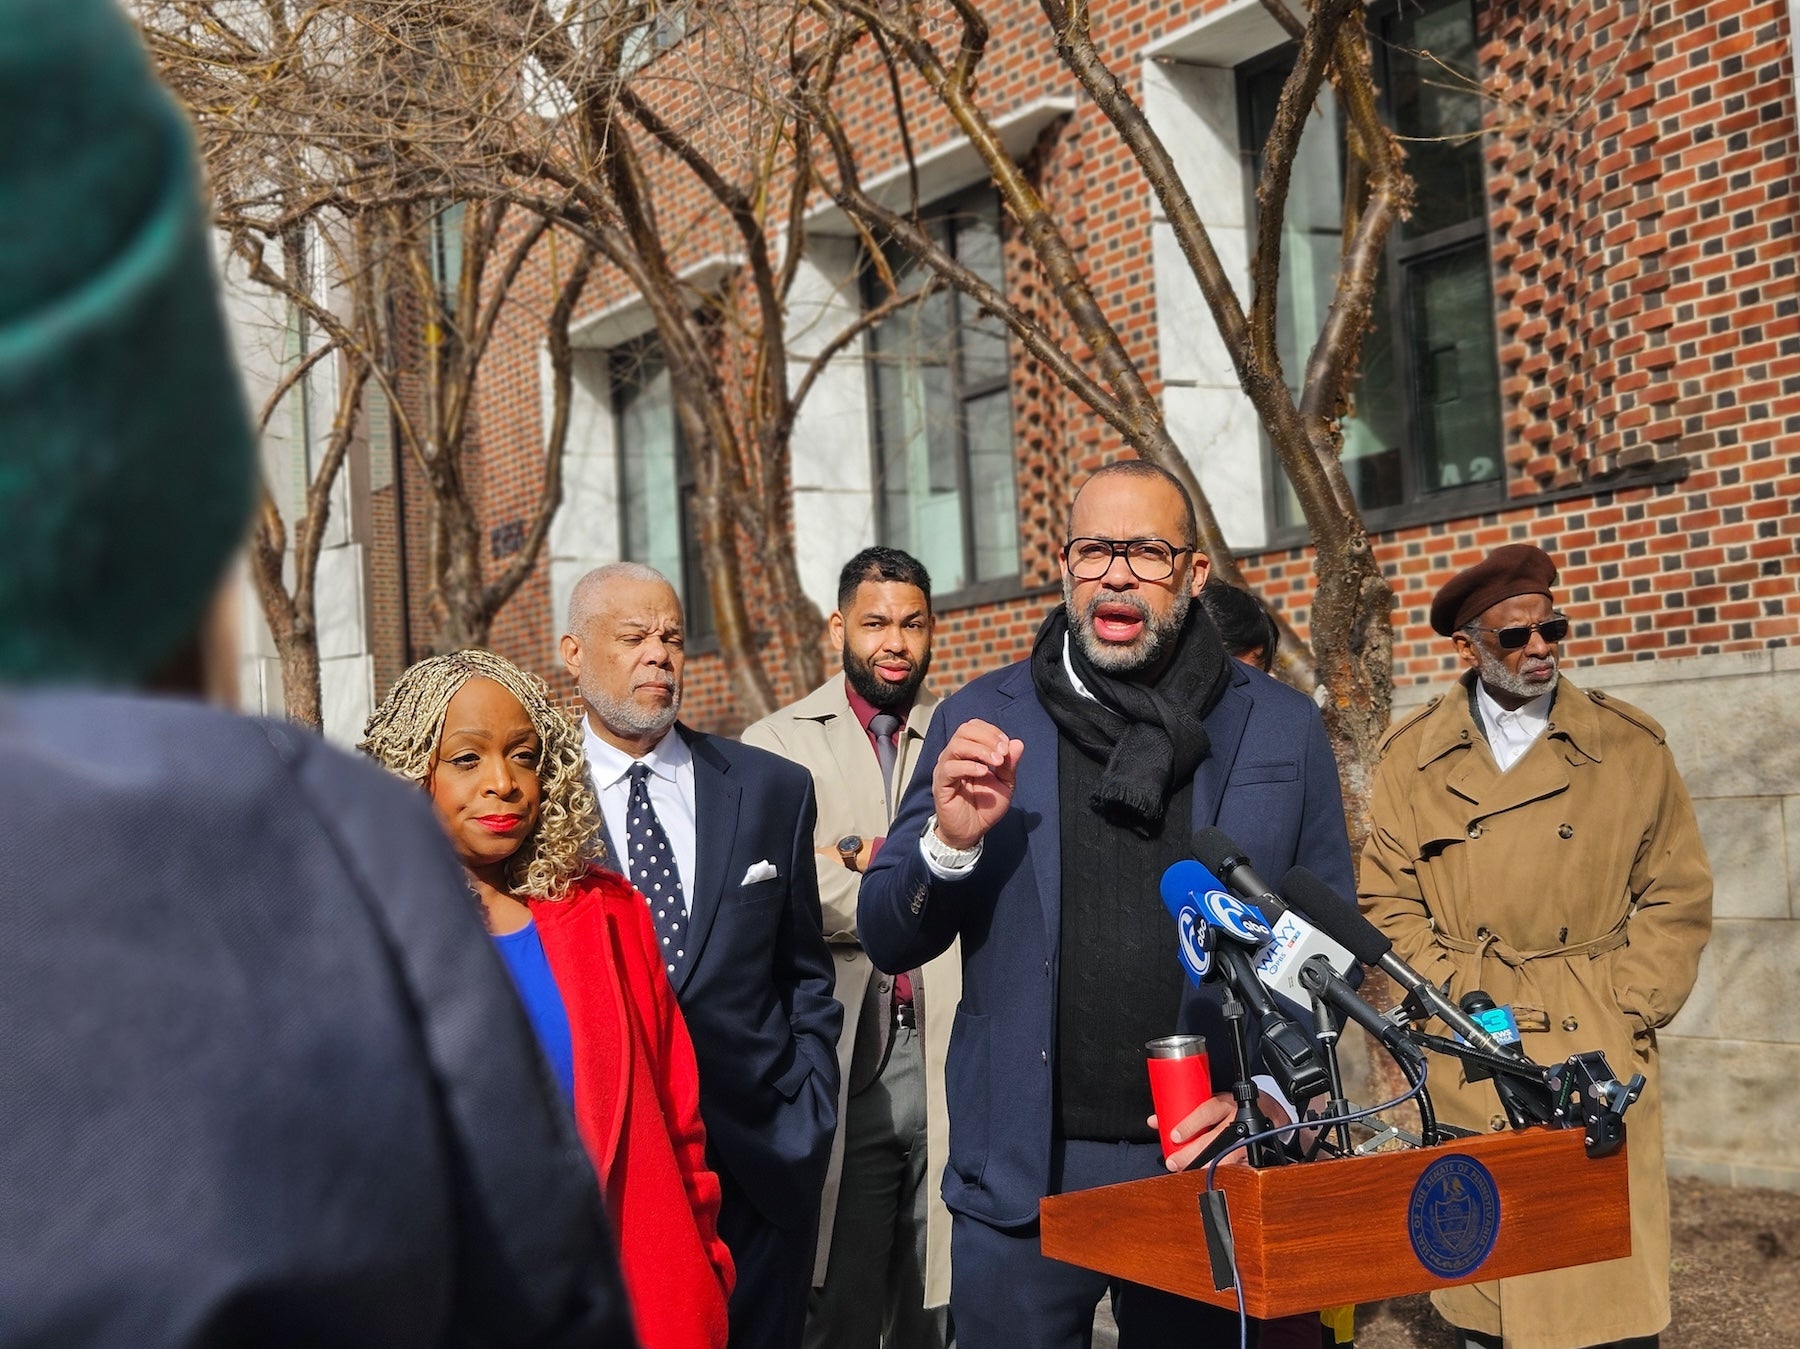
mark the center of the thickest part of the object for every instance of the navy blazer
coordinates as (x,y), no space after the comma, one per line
(1269,782)
(262,1077)
(756,989)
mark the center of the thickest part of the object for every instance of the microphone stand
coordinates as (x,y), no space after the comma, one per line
(1326,1027)
(1250,1119)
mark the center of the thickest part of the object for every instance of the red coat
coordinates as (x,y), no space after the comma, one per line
(637,1105)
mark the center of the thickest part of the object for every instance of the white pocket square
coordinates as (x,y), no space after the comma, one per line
(761,871)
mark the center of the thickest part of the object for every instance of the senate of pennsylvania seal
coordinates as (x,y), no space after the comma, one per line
(1454,1216)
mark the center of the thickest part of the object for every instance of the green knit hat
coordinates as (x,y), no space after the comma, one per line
(126,457)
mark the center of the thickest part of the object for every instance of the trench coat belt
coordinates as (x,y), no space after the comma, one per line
(1490,944)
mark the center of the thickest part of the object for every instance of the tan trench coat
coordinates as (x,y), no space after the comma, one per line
(821,733)
(1574,888)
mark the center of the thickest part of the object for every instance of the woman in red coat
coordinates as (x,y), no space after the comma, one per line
(505,770)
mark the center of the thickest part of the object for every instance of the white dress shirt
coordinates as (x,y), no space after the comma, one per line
(1510,733)
(671,786)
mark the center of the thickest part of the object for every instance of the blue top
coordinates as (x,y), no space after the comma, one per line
(523,952)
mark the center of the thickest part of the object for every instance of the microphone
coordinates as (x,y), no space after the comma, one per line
(1321,981)
(1216,928)
(1293,940)
(1189,885)
(1193,934)
(1340,921)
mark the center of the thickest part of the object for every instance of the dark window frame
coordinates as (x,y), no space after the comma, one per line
(1404,260)
(699,631)
(987,590)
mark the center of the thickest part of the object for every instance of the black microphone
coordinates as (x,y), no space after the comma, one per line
(1322,982)
(1309,895)
(1292,940)
(1288,1050)
(1227,861)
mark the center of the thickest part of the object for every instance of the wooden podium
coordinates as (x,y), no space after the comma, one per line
(1350,1229)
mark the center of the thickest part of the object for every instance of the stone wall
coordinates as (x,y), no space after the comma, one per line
(1732,1057)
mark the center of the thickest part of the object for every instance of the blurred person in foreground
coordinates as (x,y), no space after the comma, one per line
(1534,840)
(505,771)
(239,1093)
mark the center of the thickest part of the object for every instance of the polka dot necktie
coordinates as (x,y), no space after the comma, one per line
(650,862)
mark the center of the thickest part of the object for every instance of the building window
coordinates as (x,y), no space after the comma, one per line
(1425,437)
(658,524)
(945,481)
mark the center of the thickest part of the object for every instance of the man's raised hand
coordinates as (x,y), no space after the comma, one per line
(972,782)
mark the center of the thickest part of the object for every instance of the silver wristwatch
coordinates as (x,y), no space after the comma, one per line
(951,859)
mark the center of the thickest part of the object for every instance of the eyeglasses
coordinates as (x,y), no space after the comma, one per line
(1552,630)
(1148,559)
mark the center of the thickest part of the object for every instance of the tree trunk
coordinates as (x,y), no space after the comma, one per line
(301,692)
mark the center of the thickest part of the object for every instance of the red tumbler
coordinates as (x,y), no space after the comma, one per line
(1180,1081)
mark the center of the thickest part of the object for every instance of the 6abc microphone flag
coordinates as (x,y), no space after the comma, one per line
(1306,945)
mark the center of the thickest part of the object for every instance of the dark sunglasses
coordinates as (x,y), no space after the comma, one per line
(1553,630)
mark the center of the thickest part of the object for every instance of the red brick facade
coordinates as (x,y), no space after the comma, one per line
(1641,178)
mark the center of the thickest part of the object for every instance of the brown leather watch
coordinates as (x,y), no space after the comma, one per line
(849,847)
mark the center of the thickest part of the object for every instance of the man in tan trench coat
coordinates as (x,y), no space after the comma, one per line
(1534,840)
(882,1273)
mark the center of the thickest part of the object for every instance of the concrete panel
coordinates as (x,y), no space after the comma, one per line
(338,603)
(1195,110)
(347,689)
(1699,1015)
(1731,1104)
(586,524)
(1188,339)
(564,573)
(585,528)
(830,445)
(829,528)
(1216,429)
(1790,814)
(1731,736)
(1759,973)
(1749,860)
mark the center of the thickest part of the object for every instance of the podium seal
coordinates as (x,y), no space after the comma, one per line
(1454,1216)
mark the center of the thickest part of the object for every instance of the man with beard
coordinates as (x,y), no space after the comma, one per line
(1062,788)
(718,837)
(880,1277)
(1533,839)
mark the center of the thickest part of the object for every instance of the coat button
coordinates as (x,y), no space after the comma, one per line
(1044,1054)
(1570,1023)
(884,985)
(1566,831)
(1474,831)
(1046,969)
(1481,934)
(1496,1122)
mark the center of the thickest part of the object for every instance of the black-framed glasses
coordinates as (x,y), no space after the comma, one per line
(1148,559)
(1552,630)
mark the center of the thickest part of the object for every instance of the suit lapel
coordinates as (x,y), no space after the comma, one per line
(1225,729)
(851,754)
(1035,794)
(716,802)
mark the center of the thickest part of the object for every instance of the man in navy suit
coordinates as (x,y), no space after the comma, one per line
(719,838)
(1061,788)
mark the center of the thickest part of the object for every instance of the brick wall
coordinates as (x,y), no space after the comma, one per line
(1641,163)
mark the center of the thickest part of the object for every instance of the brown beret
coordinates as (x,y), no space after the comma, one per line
(1516,569)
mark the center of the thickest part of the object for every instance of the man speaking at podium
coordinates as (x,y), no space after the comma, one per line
(1533,840)
(1061,788)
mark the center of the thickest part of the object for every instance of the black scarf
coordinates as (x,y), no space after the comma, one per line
(1148,734)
